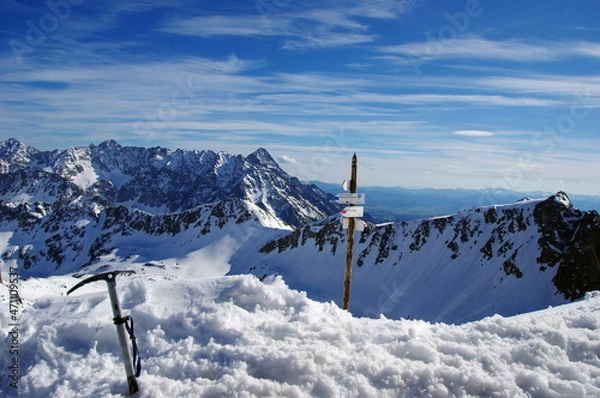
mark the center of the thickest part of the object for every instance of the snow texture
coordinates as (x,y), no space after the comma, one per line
(236,336)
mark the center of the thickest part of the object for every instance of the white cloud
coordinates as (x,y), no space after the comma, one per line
(327,39)
(585,87)
(473,99)
(585,49)
(479,48)
(333,18)
(300,28)
(383,9)
(287,160)
(251,25)
(474,133)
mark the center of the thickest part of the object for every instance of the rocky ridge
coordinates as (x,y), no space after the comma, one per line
(544,245)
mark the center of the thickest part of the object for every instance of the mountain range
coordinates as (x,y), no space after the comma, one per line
(155,180)
(181,213)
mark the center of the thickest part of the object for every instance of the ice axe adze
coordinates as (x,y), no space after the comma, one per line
(123,325)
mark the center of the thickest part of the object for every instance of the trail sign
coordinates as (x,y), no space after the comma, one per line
(359,225)
(350,198)
(353,211)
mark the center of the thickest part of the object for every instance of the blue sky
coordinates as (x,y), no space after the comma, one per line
(442,94)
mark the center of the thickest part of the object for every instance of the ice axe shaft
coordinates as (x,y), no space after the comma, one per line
(111,281)
(120,325)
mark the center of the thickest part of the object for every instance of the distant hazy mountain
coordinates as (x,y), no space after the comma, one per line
(403,204)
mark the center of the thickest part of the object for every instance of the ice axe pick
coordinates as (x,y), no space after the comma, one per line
(122,324)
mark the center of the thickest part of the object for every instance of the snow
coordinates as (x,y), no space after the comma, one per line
(265,218)
(4,239)
(81,223)
(563,199)
(76,164)
(21,198)
(86,178)
(211,260)
(236,336)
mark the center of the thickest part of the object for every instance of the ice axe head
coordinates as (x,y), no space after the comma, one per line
(109,277)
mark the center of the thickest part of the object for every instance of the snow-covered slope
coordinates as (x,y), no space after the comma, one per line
(43,240)
(502,259)
(239,337)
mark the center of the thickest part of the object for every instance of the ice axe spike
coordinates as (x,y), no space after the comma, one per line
(111,280)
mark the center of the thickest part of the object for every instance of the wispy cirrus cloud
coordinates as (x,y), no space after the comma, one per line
(327,39)
(296,33)
(382,9)
(218,25)
(484,49)
(457,99)
(298,27)
(570,88)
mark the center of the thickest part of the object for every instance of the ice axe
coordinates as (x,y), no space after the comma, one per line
(123,325)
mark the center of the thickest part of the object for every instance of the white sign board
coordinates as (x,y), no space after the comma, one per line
(350,198)
(353,211)
(359,225)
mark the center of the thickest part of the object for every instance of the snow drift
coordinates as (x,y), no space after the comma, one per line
(239,337)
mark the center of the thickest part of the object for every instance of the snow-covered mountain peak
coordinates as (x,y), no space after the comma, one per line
(106,145)
(160,180)
(13,146)
(562,198)
(14,154)
(263,157)
(75,164)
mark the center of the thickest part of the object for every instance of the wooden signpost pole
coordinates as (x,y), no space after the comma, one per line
(350,241)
